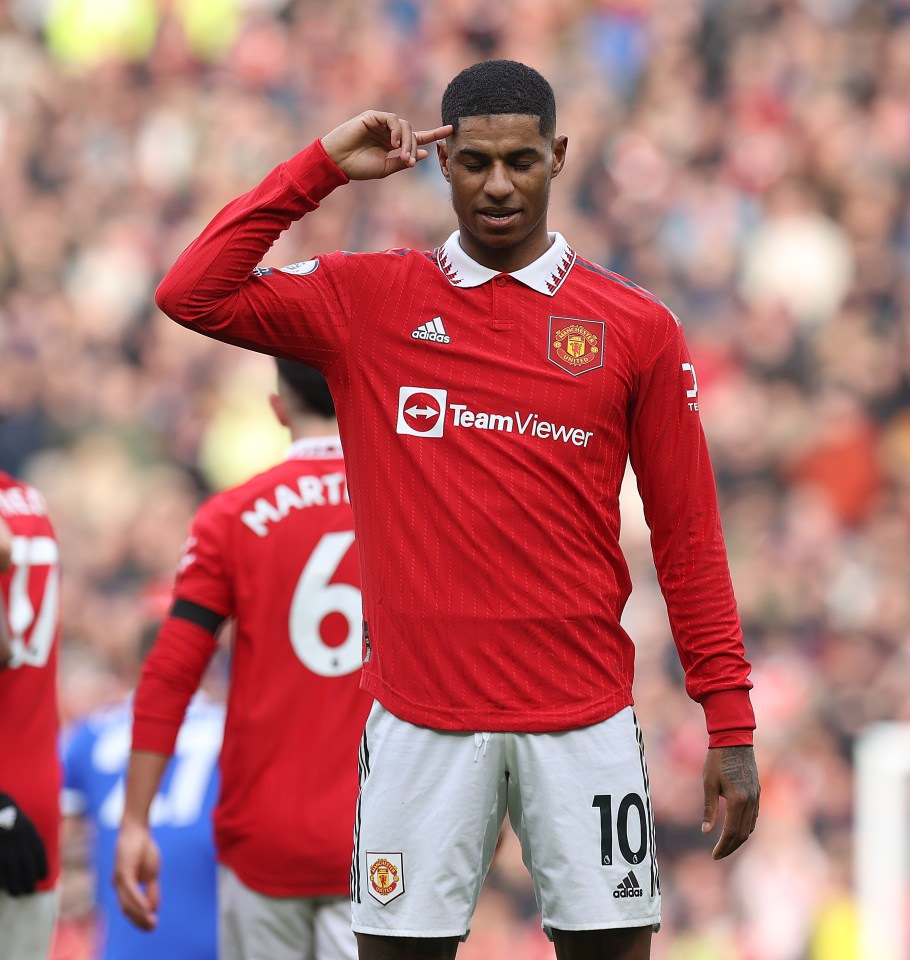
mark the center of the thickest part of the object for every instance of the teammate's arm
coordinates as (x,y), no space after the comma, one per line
(6,646)
(6,546)
(138,860)
(6,561)
(170,675)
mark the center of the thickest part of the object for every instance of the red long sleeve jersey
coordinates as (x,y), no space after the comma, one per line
(277,554)
(29,763)
(487,420)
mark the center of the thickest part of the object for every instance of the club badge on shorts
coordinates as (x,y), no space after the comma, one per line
(576,345)
(386,874)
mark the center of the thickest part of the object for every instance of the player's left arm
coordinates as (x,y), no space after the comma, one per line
(6,561)
(670,457)
(6,644)
(6,546)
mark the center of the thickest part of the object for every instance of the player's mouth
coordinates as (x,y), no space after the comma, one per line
(498,219)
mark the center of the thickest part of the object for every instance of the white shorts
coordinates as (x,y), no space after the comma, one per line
(26,925)
(252,926)
(432,803)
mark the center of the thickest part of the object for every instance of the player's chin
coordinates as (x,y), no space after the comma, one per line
(498,239)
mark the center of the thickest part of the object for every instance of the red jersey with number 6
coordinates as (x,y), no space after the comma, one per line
(29,764)
(277,553)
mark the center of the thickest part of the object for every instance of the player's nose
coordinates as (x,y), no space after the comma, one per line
(498,184)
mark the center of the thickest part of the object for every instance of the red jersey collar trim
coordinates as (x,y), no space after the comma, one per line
(315,448)
(545,275)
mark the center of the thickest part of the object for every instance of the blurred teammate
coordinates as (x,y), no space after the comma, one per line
(490,392)
(277,554)
(29,763)
(95,755)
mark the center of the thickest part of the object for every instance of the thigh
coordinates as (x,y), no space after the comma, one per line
(580,803)
(629,944)
(430,808)
(406,948)
(27,923)
(252,926)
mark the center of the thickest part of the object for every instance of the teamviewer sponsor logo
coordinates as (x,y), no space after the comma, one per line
(630,887)
(421,412)
(432,330)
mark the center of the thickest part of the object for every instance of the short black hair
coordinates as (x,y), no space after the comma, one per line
(308,386)
(498,87)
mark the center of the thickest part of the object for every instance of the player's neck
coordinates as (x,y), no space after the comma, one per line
(304,428)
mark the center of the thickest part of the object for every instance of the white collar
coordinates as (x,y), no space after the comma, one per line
(545,275)
(315,448)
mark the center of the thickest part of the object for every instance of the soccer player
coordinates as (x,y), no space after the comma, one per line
(95,755)
(29,764)
(276,554)
(489,394)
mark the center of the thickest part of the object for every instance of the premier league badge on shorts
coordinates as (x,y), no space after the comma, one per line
(576,345)
(386,874)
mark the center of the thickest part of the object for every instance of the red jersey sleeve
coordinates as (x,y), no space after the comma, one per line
(203,572)
(670,457)
(174,668)
(216,286)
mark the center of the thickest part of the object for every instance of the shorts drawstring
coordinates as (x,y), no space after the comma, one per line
(481,740)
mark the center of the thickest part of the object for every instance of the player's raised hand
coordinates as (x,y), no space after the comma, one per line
(730,772)
(136,869)
(374,145)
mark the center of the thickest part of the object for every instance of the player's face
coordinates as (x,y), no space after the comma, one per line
(500,168)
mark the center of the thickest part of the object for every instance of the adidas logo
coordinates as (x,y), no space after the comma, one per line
(629,887)
(8,818)
(432,330)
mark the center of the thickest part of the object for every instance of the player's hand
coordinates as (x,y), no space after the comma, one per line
(136,869)
(376,144)
(23,860)
(730,772)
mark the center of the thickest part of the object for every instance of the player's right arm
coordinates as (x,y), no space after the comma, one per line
(170,676)
(138,861)
(215,288)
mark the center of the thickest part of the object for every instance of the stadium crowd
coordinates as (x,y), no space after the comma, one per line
(748,162)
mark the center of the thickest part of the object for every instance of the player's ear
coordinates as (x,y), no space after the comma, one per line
(442,151)
(278,408)
(560,145)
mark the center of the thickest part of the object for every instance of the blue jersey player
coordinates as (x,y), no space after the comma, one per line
(95,755)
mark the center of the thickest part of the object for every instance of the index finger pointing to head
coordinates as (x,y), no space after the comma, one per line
(428,136)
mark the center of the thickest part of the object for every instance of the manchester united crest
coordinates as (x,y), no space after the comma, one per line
(576,345)
(386,873)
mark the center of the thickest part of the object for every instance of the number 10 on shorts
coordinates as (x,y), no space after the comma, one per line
(629,827)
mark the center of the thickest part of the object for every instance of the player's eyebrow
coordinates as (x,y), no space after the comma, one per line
(518,154)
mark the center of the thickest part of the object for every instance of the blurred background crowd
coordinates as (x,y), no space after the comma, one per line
(746,160)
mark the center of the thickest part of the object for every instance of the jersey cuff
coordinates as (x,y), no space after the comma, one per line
(729,718)
(314,172)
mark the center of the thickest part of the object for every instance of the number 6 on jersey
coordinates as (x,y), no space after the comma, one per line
(315,597)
